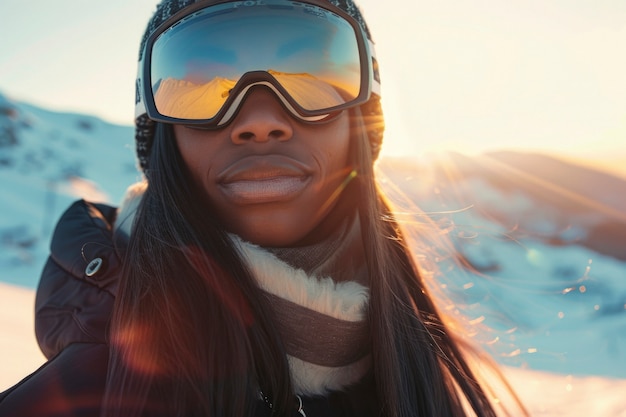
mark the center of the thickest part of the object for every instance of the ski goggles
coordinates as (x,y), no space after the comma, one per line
(198,66)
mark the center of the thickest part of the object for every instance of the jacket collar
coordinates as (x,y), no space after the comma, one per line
(128,208)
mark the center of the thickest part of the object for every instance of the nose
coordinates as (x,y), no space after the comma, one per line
(261,118)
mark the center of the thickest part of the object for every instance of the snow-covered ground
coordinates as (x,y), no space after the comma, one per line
(552,301)
(546,299)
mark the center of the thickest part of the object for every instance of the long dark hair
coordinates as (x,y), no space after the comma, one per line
(192,335)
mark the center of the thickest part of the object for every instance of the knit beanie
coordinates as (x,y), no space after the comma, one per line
(144,127)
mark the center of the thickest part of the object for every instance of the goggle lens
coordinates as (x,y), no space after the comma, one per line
(310,52)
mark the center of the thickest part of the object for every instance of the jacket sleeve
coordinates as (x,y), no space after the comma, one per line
(77,289)
(69,385)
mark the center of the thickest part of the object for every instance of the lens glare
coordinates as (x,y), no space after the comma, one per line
(310,51)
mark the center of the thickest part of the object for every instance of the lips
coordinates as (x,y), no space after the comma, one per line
(264,179)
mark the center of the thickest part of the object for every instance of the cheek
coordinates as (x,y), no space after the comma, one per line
(336,149)
(193,166)
(194,150)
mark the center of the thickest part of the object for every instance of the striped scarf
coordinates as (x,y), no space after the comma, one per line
(319,295)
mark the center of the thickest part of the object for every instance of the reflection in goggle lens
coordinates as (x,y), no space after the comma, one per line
(309,52)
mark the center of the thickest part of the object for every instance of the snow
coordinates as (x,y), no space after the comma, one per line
(548,301)
(20,352)
(555,395)
(48,160)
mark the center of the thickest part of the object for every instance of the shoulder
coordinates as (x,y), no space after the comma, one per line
(82,244)
(87,239)
(78,284)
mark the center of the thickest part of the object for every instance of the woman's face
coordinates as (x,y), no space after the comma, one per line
(271,178)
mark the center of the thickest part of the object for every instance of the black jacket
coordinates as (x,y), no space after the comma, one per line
(73,309)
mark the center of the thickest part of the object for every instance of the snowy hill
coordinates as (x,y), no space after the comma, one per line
(47,160)
(539,245)
(542,273)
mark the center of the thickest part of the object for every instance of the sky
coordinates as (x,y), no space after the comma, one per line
(471,76)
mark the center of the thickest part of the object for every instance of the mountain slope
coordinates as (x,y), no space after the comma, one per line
(47,160)
(544,288)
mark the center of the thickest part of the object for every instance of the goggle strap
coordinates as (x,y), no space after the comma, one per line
(374,64)
(140,100)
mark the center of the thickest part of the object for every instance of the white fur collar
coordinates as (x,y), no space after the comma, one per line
(128,208)
(345,301)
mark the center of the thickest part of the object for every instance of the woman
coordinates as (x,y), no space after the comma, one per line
(259,271)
